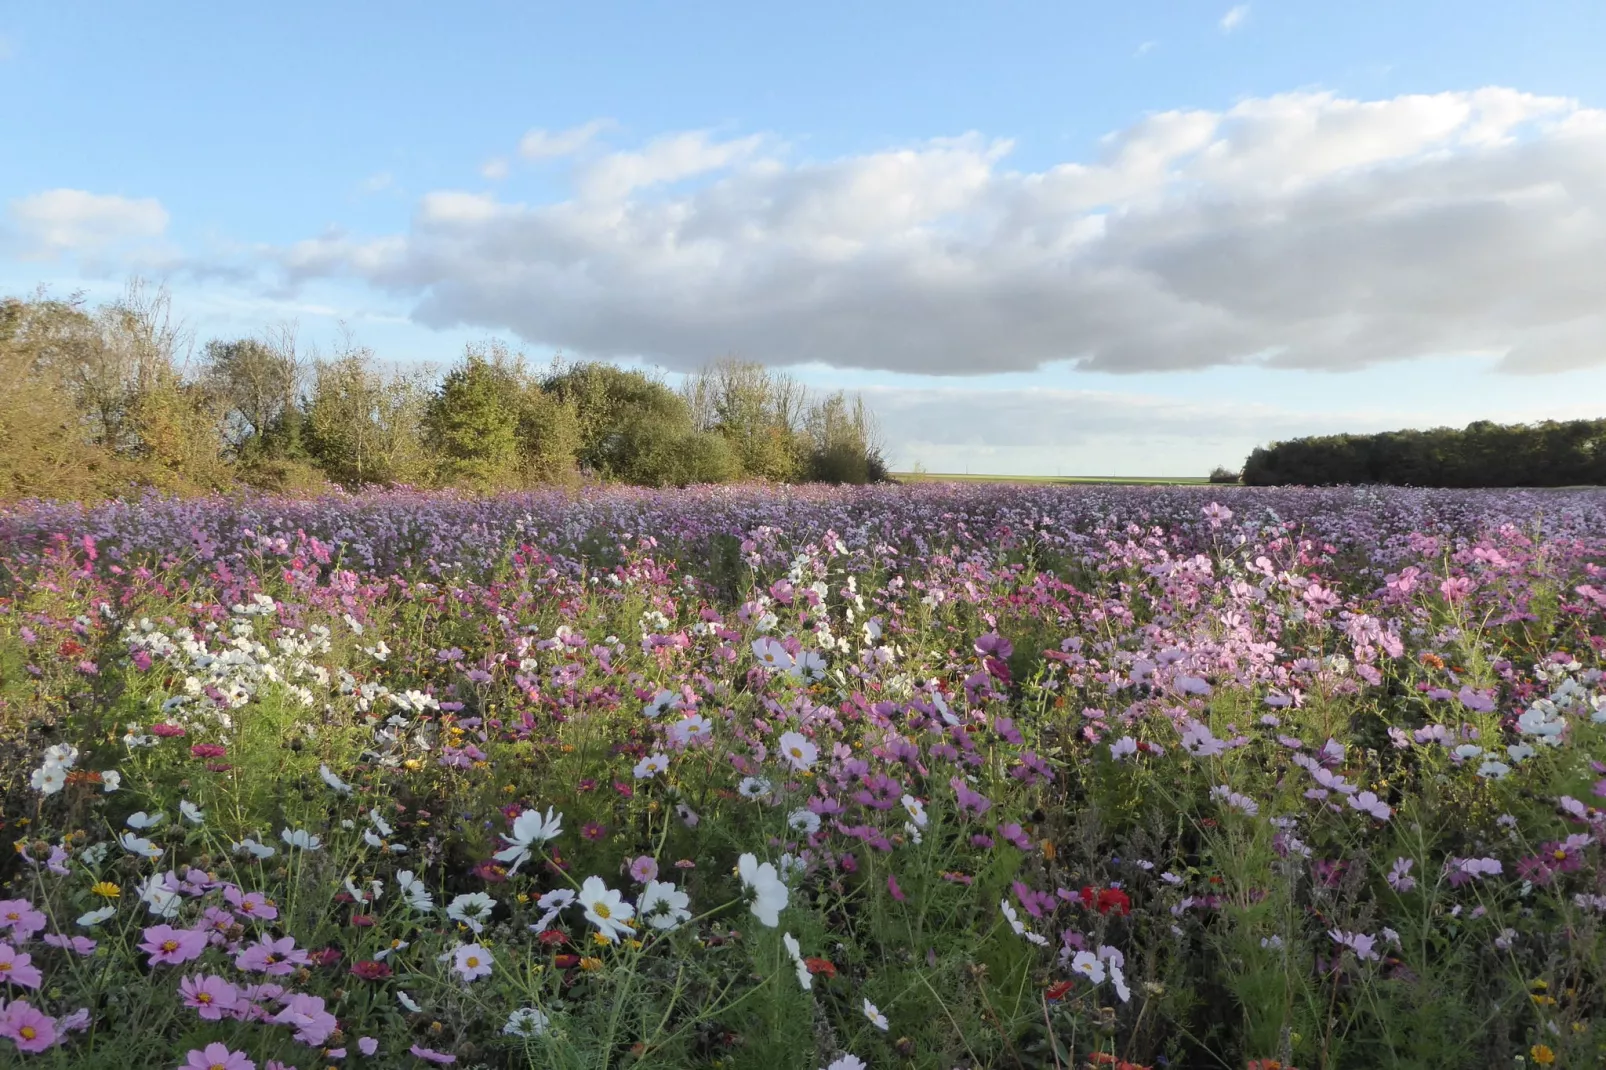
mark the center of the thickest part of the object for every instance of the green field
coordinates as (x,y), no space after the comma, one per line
(949,477)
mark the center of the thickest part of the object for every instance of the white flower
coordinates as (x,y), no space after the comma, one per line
(662,703)
(340,787)
(797,751)
(49,779)
(301,838)
(847,1062)
(139,845)
(472,909)
(605,908)
(794,949)
(110,781)
(916,810)
(877,1019)
(414,891)
(95,917)
(772,654)
(770,895)
(191,813)
(1119,980)
(395,945)
(805,821)
(526,1022)
(810,665)
(529,830)
(689,730)
(1088,965)
(161,900)
(256,850)
(1122,747)
(754,787)
(141,820)
(1493,770)
(663,906)
(651,766)
(552,902)
(407,1002)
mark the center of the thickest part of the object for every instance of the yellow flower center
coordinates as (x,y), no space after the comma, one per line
(169,945)
(473,962)
(203,997)
(601,910)
(27,1032)
(797,752)
(1561,856)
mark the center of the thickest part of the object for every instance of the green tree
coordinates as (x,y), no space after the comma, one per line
(471,422)
(363,426)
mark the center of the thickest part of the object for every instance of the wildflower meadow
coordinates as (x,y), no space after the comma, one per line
(928,776)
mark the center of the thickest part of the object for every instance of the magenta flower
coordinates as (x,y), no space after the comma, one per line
(171,947)
(31,1030)
(81,945)
(16,968)
(210,996)
(432,1056)
(216,1056)
(644,869)
(312,1023)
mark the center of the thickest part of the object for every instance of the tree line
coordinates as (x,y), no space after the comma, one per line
(1483,454)
(103,401)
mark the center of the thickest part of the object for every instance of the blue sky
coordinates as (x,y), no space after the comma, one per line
(1134,238)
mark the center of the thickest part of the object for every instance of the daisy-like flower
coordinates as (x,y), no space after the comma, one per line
(873,1013)
(530,830)
(663,906)
(810,665)
(256,850)
(847,1062)
(770,894)
(754,787)
(1020,928)
(553,904)
(301,838)
(916,810)
(338,786)
(409,1004)
(95,917)
(139,820)
(414,892)
(662,703)
(472,909)
(48,779)
(110,781)
(191,813)
(795,950)
(29,1028)
(139,845)
(526,1022)
(16,968)
(651,766)
(805,821)
(471,961)
(1088,965)
(605,908)
(689,730)
(797,751)
(209,996)
(771,653)
(168,946)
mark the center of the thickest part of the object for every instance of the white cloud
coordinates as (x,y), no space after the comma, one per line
(1304,230)
(1234,18)
(378,182)
(76,221)
(494,169)
(548,144)
(1145,48)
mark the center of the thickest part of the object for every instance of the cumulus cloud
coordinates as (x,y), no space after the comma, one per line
(76,221)
(1234,18)
(549,144)
(1303,230)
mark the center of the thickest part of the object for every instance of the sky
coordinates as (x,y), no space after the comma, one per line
(1039,238)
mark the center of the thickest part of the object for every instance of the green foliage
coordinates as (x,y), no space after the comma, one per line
(363,427)
(1483,454)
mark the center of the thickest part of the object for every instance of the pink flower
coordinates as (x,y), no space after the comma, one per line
(431,1055)
(278,957)
(31,1030)
(217,1057)
(644,869)
(251,904)
(171,947)
(210,996)
(313,1024)
(367,1045)
(21,918)
(168,730)
(17,968)
(83,945)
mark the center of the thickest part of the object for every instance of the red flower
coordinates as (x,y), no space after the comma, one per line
(1059,990)
(564,962)
(820,967)
(553,937)
(167,730)
(371,971)
(209,750)
(1114,899)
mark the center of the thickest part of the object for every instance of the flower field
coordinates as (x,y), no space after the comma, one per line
(934,776)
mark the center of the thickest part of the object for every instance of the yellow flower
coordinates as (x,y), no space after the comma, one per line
(106,890)
(413,764)
(634,945)
(600,940)
(1542,1055)
(588,963)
